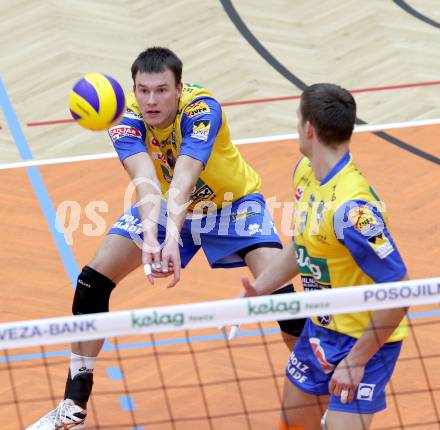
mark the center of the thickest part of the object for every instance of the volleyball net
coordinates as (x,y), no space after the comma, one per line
(173,368)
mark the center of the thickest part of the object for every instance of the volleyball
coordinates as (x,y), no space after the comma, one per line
(96,101)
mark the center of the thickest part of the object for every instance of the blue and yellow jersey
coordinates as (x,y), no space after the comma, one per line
(342,239)
(200,131)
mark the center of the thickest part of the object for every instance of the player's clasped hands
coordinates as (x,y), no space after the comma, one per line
(346,378)
(161,263)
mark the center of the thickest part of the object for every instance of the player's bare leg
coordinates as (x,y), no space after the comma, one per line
(116,258)
(336,420)
(302,410)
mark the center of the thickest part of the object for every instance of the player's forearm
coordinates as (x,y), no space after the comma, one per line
(186,173)
(177,205)
(381,327)
(143,175)
(148,205)
(282,269)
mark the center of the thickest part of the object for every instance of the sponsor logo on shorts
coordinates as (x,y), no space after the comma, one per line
(297,369)
(403,292)
(123,131)
(196,109)
(129,223)
(272,307)
(365,391)
(319,352)
(157,319)
(241,215)
(201,129)
(254,229)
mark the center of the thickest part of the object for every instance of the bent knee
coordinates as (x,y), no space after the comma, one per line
(92,294)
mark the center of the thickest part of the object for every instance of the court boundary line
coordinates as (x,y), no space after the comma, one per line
(42,123)
(253,140)
(416,14)
(253,41)
(40,190)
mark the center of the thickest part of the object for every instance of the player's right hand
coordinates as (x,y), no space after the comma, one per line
(151,257)
(249,290)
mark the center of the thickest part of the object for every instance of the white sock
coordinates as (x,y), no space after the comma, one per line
(81,364)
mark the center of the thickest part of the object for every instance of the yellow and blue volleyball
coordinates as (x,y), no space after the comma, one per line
(96,101)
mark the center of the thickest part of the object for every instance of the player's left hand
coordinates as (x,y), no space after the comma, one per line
(346,378)
(157,271)
(171,261)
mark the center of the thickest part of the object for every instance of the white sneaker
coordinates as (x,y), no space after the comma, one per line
(66,416)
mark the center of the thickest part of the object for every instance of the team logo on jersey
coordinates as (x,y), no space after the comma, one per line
(381,245)
(202,193)
(200,129)
(158,156)
(363,219)
(196,109)
(365,391)
(319,353)
(123,131)
(299,193)
(154,142)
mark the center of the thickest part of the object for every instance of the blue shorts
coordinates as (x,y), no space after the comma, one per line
(317,353)
(245,223)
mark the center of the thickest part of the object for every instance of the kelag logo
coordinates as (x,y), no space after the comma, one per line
(157,319)
(292,306)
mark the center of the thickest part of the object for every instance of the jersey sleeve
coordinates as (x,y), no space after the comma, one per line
(361,228)
(128,137)
(200,125)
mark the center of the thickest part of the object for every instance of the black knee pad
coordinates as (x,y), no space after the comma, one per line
(92,292)
(292,327)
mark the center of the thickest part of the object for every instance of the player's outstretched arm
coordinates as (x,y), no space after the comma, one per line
(186,172)
(141,170)
(281,270)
